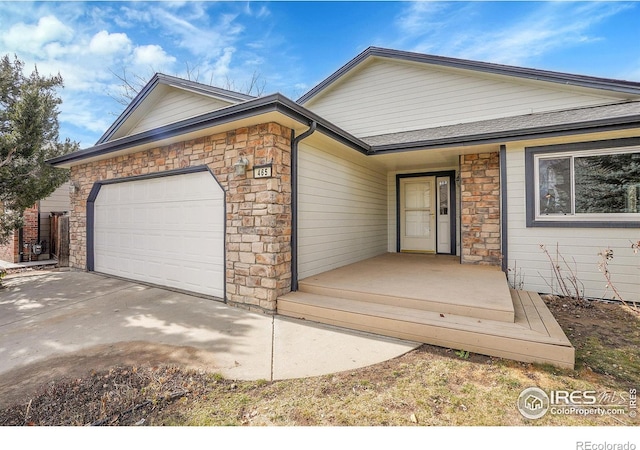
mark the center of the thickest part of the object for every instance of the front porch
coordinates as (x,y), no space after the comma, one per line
(436,300)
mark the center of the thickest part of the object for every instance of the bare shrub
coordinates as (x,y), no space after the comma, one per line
(566,276)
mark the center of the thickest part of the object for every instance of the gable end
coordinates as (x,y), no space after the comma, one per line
(567,79)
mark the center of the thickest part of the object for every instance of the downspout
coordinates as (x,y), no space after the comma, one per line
(294,201)
(20,245)
(504,219)
(39,225)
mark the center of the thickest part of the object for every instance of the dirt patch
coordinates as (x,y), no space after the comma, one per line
(26,382)
(606,337)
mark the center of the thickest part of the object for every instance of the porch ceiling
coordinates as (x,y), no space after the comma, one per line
(434,158)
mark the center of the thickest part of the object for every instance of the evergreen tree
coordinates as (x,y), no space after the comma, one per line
(607,183)
(28,137)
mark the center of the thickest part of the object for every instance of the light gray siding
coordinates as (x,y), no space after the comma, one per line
(579,246)
(58,201)
(176,105)
(393,96)
(342,212)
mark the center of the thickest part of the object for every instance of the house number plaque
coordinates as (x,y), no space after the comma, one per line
(263,171)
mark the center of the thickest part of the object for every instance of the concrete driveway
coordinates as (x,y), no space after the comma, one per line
(48,315)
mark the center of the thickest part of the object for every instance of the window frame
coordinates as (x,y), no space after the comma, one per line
(573,150)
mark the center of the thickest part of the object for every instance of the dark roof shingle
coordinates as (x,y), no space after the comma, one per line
(514,126)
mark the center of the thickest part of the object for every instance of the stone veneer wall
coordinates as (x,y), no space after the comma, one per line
(258,241)
(480,213)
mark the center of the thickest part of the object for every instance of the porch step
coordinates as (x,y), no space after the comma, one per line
(535,336)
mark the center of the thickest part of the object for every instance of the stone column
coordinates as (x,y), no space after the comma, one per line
(480,214)
(259,219)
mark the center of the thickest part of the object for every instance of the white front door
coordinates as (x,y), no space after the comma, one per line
(417,214)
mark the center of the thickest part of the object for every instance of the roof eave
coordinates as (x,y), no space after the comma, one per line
(131,107)
(511,135)
(168,80)
(262,105)
(213,91)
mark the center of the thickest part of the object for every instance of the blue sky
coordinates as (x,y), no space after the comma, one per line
(292,46)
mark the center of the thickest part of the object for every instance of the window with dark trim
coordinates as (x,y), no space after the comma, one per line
(595,184)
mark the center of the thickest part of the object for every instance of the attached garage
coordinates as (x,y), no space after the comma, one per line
(167,230)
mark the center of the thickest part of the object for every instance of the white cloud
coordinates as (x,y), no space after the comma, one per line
(105,43)
(262,11)
(546,29)
(463,31)
(25,38)
(129,17)
(152,56)
(221,66)
(209,41)
(420,18)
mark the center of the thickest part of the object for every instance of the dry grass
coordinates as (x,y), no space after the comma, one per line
(428,386)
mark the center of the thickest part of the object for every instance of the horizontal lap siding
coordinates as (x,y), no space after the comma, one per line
(342,210)
(388,97)
(174,106)
(579,244)
(58,201)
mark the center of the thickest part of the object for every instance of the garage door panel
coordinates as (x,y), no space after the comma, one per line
(137,241)
(125,240)
(139,217)
(167,231)
(137,193)
(126,216)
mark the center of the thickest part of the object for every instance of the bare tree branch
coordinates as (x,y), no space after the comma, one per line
(131,84)
(7,160)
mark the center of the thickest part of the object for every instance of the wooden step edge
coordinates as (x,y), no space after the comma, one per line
(536,352)
(553,327)
(332,306)
(475,311)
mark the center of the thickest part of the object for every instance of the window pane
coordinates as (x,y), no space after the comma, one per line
(554,175)
(607,184)
(443,189)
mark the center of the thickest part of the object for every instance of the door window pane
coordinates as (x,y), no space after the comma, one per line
(443,191)
(417,196)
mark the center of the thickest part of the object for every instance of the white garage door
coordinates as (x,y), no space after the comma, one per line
(167,231)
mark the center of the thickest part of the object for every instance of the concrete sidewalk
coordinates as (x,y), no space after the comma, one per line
(27,265)
(50,314)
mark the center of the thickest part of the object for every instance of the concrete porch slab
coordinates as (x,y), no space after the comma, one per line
(437,283)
